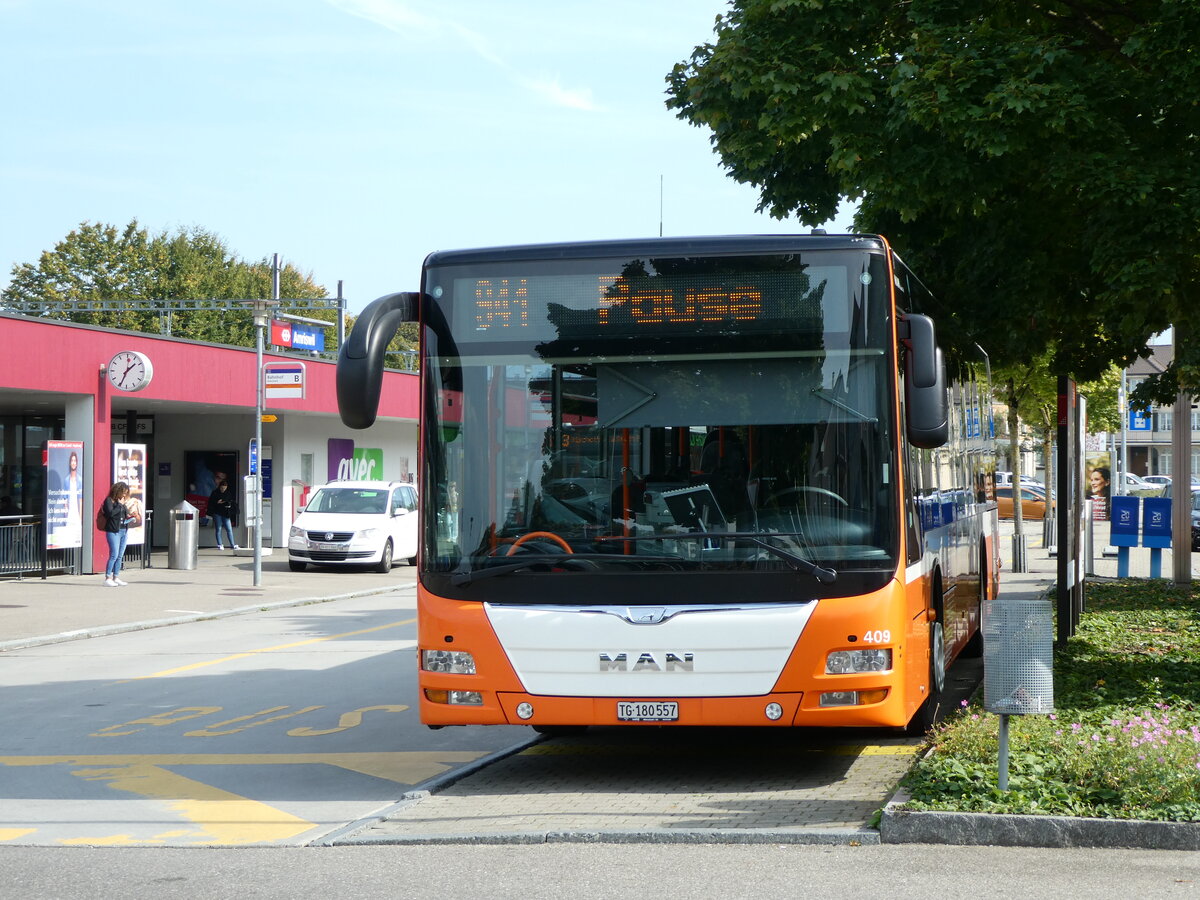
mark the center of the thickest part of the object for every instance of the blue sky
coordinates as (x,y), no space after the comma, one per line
(353,137)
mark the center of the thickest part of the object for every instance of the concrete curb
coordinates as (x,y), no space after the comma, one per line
(902,826)
(865,836)
(126,627)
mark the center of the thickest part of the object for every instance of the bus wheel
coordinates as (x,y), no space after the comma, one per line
(926,716)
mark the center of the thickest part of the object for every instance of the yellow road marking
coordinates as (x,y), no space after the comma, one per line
(347,720)
(220,816)
(398,766)
(215,662)
(875,750)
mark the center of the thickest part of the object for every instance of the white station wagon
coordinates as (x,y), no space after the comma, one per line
(356,523)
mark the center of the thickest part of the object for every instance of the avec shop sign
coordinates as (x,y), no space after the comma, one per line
(350,463)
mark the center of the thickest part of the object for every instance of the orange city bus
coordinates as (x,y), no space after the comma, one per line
(705,481)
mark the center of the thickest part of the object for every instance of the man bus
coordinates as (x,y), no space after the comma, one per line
(707,481)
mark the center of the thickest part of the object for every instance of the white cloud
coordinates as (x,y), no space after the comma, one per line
(549,89)
(389,14)
(402,18)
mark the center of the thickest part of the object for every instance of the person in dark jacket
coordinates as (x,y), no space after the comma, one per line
(113,522)
(223,508)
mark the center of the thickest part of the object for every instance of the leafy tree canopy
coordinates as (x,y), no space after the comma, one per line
(1035,161)
(128,278)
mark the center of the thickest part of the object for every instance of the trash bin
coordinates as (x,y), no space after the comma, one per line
(183,536)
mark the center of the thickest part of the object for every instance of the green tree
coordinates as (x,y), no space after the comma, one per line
(127,278)
(1035,160)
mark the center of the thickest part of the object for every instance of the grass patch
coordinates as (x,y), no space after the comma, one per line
(1124,742)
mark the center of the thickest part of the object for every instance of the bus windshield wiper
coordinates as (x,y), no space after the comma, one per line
(798,563)
(795,562)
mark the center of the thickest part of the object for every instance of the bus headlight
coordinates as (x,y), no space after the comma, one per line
(848,662)
(451,662)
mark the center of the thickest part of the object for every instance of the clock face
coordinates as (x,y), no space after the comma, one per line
(130,371)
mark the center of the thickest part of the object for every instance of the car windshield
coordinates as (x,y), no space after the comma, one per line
(348,500)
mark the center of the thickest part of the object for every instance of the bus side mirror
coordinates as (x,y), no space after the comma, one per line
(926,403)
(361,359)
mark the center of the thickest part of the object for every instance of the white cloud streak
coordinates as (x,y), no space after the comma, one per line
(401,18)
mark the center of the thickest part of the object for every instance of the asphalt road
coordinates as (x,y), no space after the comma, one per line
(550,872)
(287,727)
(269,728)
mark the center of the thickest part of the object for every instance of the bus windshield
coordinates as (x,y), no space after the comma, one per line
(597,417)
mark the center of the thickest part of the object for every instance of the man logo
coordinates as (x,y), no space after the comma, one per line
(645,615)
(646,662)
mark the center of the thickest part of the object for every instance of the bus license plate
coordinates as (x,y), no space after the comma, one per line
(646,711)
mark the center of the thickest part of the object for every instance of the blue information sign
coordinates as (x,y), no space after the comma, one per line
(1124,530)
(1140,420)
(1156,530)
(304,338)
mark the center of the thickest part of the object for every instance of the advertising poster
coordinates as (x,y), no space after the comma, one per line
(64,494)
(205,470)
(1097,484)
(129,466)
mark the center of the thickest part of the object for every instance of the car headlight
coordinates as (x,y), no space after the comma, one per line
(298,532)
(846,662)
(452,662)
(367,534)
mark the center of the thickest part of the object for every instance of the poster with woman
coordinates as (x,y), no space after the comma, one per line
(129,466)
(64,494)
(1098,485)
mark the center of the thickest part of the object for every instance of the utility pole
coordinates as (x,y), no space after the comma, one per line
(1181,479)
(262,310)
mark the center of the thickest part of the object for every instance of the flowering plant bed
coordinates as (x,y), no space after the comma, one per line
(1125,740)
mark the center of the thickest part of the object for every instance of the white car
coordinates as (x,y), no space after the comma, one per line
(356,523)
(1005,479)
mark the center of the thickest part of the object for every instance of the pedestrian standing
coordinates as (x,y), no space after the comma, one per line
(223,507)
(113,520)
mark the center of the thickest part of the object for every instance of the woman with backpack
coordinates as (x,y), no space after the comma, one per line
(113,519)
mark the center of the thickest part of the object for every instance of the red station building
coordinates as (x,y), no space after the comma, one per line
(199,405)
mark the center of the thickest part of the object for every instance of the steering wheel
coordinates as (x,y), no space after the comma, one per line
(793,491)
(548,535)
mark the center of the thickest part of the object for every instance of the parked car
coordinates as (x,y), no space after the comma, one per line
(1033,502)
(356,523)
(1162,480)
(1138,486)
(1005,478)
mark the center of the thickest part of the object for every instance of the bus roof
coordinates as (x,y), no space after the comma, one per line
(715,245)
